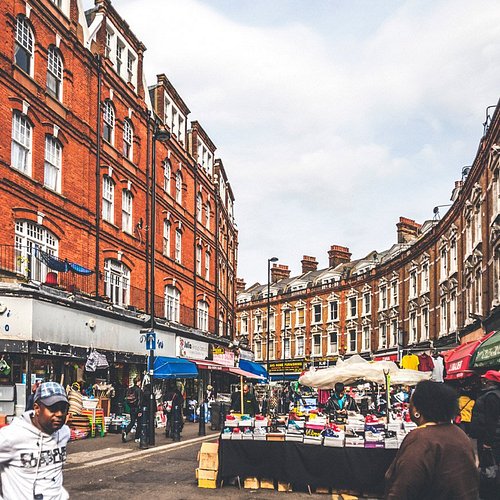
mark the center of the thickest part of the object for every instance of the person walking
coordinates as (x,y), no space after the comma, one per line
(134,399)
(485,427)
(173,401)
(436,460)
(33,448)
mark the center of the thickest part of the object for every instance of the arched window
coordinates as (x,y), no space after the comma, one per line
(21,143)
(30,240)
(172,303)
(178,187)
(109,121)
(117,282)
(54,73)
(202,316)
(198,259)
(167,172)
(178,245)
(207,265)
(53,161)
(108,199)
(127,200)
(166,238)
(128,134)
(207,215)
(23,48)
(199,205)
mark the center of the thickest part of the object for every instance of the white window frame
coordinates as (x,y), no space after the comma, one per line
(395,292)
(352,334)
(287,347)
(382,340)
(366,339)
(413,291)
(316,347)
(53,163)
(333,310)
(333,347)
(167,174)
(24,43)
(257,346)
(21,143)
(393,334)
(424,283)
(199,251)
(178,187)
(424,326)
(199,207)
(367,305)
(413,328)
(172,303)
(300,319)
(300,343)
(352,301)
(202,316)
(117,282)
(383,297)
(166,238)
(127,208)
(178,246)
(443,316)
(108,115)
(55,70)
(207,214)
(108,199)
(207,265)
(128,139)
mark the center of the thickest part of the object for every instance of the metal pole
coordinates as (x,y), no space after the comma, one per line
(268,311)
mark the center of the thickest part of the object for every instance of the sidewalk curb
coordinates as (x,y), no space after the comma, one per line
(139,454)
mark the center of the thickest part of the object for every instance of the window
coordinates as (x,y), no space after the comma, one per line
(393,341)
(316,313)
(286,347)
(333,310)
(383,297)
(425,278)
(198,259)
(128,134)
(478,305)
(116,282)
(353,307)
(413,328)
(353,340)
(203,315)
(130,67)
(468,235)
(167,170)
(366,338)
(119,57)
(286,318)
(172,303)
(108,199)
(271,349)
(444,317)
(453,311)
(316,347)
(413,283)
(21,143)
(443,264)
(221,324)
(207,265)
(257,348)
(453,255)
(109,42)
(199,204)
(333,346)
(178,245)
(178,187)
(425,324)
(109,121)
(244,325)
(23,47)
(382,341)
(57,3)
(54,73)
(29,238)
(207,215)
(367,303)
(166,238)
(127,200)
(299,347)
(394,291)
(53,153)
(300,320)
(478,225)
(496,275)
(182,132)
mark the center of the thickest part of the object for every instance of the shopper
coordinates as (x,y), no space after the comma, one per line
(436,460)
(134,399)
(340,402)
(173,401)
(250,404)
(31,398)
(33,448)
(485,426)
(465,408)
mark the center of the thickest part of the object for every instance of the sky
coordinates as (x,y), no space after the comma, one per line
(333,118)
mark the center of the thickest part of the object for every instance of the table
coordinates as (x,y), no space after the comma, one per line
(360,469)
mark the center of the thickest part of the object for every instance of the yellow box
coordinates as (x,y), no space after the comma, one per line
(267,484)
(251,483)
(208,456)
(206,474)
(284,486)
(207,483)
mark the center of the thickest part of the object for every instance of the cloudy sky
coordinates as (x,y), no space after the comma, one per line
(333,117)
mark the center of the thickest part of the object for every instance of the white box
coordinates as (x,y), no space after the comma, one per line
(354,442)
(261,423)
(247,436)
(391,444)
(259,437)
(7,407)
(225,435)
(7,393)
(236,435)
(333,442)
(394,426)
(299,438)
(313,440)
(231,423)
(21,394)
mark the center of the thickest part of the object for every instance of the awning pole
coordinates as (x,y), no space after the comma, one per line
(241,393)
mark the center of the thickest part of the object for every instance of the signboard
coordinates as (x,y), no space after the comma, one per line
(192,349)
(247,355)
(223,356)
(292,366)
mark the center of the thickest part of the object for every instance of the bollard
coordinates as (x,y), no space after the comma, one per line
(201,430)
(222,415)
(176,418)
(144,435)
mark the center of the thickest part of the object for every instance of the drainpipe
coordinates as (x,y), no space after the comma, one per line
(195,302)
(148,219)
(98,174)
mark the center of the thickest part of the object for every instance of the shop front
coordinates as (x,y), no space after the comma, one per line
(287,370)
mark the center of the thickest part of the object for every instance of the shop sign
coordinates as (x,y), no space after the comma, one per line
(293,366)
(247,355)
(223,356)
(192,349)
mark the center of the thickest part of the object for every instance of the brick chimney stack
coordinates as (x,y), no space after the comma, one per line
(338,255)
(240,284)
(309,264)
(279,272)
(408,230)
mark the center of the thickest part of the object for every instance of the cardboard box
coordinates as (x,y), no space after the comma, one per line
(333,442)
(251,483)
(292,436)
(207,483)
(267,484)
(236,435)
(317,440)
(275,436)
(225,435)
(247,436)
(284,486)
(231,423)
(206,474)
(313,430)
(354,442)
(208,456)
(391,444)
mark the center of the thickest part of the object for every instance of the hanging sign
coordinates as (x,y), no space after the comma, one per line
(223,356)
(192,349)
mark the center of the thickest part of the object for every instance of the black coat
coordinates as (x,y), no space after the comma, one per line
(333,405)
(250,405)
(485,423)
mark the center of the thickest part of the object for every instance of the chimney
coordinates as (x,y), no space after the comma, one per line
(279,272)
(309,264)
(408,230)
(338,255)
(240,285)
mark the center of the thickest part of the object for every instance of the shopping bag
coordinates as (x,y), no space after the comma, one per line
(489,471)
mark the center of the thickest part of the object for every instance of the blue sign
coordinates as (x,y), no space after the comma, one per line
(150,341)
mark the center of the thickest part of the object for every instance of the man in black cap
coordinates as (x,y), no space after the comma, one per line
(33,448)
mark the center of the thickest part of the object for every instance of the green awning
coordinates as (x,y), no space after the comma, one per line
(488,353)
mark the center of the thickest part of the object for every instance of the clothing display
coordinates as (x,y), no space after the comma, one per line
(438,370)
(410,362)
(426,364)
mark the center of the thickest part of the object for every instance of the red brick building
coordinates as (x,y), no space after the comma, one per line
(77,179)
(437,286)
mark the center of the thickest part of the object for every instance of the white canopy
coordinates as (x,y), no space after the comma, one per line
(356,369)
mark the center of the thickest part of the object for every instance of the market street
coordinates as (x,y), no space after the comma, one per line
(107,468)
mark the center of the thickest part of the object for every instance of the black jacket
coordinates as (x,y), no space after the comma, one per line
(250,405)
(333,405)
(485,423)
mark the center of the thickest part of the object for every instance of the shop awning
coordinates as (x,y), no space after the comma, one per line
(171,368)
(243,373)
(458,360)
(488,353)
(205,364)
(386,357)
(255,368)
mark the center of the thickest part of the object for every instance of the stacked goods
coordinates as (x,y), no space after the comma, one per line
(208,465)
(75,399)
(79,427)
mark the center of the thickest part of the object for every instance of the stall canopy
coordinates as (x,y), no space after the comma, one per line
(458,361)
(356,369)
(255,368)
(243,373)
(171,368)
(488,353)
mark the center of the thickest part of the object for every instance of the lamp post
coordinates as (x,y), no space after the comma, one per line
(268,333)
(162,135)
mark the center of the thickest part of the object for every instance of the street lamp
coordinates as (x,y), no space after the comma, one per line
(162,135)
(268,336)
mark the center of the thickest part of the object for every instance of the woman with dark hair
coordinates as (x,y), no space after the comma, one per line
(436,460)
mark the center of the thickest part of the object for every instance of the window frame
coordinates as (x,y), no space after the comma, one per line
(127,211)
(21,143)
(108,199)
(55,73)
(172,303)
(109,120)
(24,45)
(52,163)
(128,139)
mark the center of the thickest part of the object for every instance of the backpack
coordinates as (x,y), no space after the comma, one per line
(131,397)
